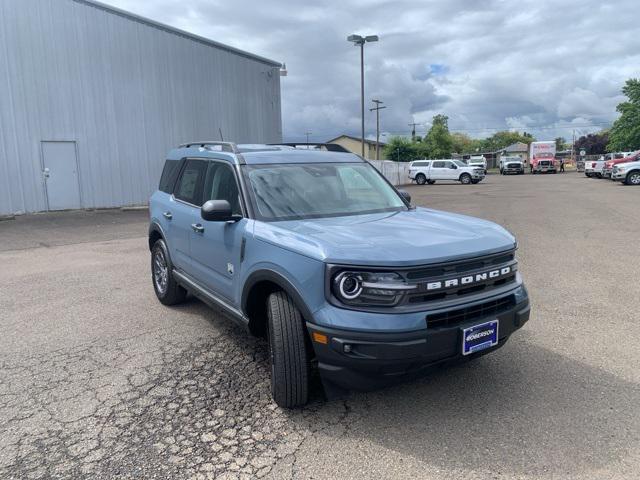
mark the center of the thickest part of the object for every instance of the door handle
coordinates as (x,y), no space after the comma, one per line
(167,215)
(197,228)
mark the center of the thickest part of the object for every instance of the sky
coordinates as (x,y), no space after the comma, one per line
(547,67)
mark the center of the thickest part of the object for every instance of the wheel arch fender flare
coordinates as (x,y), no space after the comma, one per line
(155,231)
(270,275)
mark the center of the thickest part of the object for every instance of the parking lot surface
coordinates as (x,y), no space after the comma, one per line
(99,380)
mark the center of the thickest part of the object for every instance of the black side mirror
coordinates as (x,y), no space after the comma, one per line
(217,211)
(453,167)
(405,195)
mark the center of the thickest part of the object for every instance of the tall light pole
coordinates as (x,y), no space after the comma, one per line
(307,134)
(359,40)
(377,108)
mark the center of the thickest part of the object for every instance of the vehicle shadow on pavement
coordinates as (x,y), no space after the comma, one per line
(524,410)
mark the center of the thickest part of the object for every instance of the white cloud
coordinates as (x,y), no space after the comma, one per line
(544,65)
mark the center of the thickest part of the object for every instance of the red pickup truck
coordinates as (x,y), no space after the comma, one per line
(616,158)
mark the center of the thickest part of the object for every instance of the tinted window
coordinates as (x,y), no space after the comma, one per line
(220,184)
(169,174)
(420,164)
(438,164)
(189,187)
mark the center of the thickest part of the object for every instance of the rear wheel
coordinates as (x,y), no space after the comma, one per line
(633,178)
(465,179)
(475,181)
(421,179)
(287,352)
(431,182)
(167,289)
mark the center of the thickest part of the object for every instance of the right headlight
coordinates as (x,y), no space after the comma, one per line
(365,288)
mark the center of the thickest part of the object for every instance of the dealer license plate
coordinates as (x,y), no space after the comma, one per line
(479,337)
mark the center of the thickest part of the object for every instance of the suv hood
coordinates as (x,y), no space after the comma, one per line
(415,237)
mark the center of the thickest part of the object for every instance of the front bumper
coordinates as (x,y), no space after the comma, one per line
(357,360)
(618,176)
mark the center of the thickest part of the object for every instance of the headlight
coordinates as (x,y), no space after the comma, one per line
(620,169)
(369,288)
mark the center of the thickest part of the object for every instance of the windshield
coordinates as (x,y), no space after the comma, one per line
(314,190)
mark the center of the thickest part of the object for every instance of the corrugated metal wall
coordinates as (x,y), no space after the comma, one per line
(125,91)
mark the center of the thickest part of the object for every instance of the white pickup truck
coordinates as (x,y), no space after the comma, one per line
(478,161)
(627,173)
(429,171)
(593,168)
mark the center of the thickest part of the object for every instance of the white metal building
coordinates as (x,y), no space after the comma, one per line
(92,98)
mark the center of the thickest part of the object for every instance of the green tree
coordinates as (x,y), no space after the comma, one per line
(561,144)
(463,143)
(438,142)
(625,132)
(502,139)
(400,149)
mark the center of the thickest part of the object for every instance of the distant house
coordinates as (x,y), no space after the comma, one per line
(519,149)
(353,145)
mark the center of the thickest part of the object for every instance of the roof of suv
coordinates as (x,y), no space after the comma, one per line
(258,154)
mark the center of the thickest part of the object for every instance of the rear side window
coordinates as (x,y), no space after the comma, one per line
(189,187)
(438,164)
(420,164)
(169,174)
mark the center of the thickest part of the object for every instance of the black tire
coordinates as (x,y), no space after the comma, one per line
(167,289)
(431,182)
(475,181)
(288,357)
(421,179)
(633,178)
(465,179)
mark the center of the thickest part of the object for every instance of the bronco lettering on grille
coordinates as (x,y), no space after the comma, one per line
(470,279)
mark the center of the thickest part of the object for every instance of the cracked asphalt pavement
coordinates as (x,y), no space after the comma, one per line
(99,380)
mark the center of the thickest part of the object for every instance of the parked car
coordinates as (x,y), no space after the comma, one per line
(511,165)
(478,161)
(627,173)
(319,253)
(544,166)
(593,168)
(429,171)
(615,159)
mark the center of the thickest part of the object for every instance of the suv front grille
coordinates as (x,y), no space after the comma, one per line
(459,316)
(424,277)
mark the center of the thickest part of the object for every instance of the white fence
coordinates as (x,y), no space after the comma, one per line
(396,172)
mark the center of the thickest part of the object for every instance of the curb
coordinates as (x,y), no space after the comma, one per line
(134,209)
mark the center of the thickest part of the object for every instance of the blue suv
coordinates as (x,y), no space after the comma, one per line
(314,249)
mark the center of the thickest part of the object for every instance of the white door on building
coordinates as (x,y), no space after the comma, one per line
(60,170)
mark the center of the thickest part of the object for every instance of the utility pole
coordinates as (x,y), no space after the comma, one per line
(413,131)
(307,134)
(573,146)
(377,108)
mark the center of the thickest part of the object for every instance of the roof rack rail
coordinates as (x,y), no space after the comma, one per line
(331,147)
(224,146)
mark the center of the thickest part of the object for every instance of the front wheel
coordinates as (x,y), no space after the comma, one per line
(167,289)
(475,181)
(431,182)
(288,357)
(421,179)
(465,179)
(633,178)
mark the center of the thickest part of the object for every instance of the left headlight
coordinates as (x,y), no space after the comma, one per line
(369,288)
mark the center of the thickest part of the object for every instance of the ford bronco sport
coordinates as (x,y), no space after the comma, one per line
(315,250)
